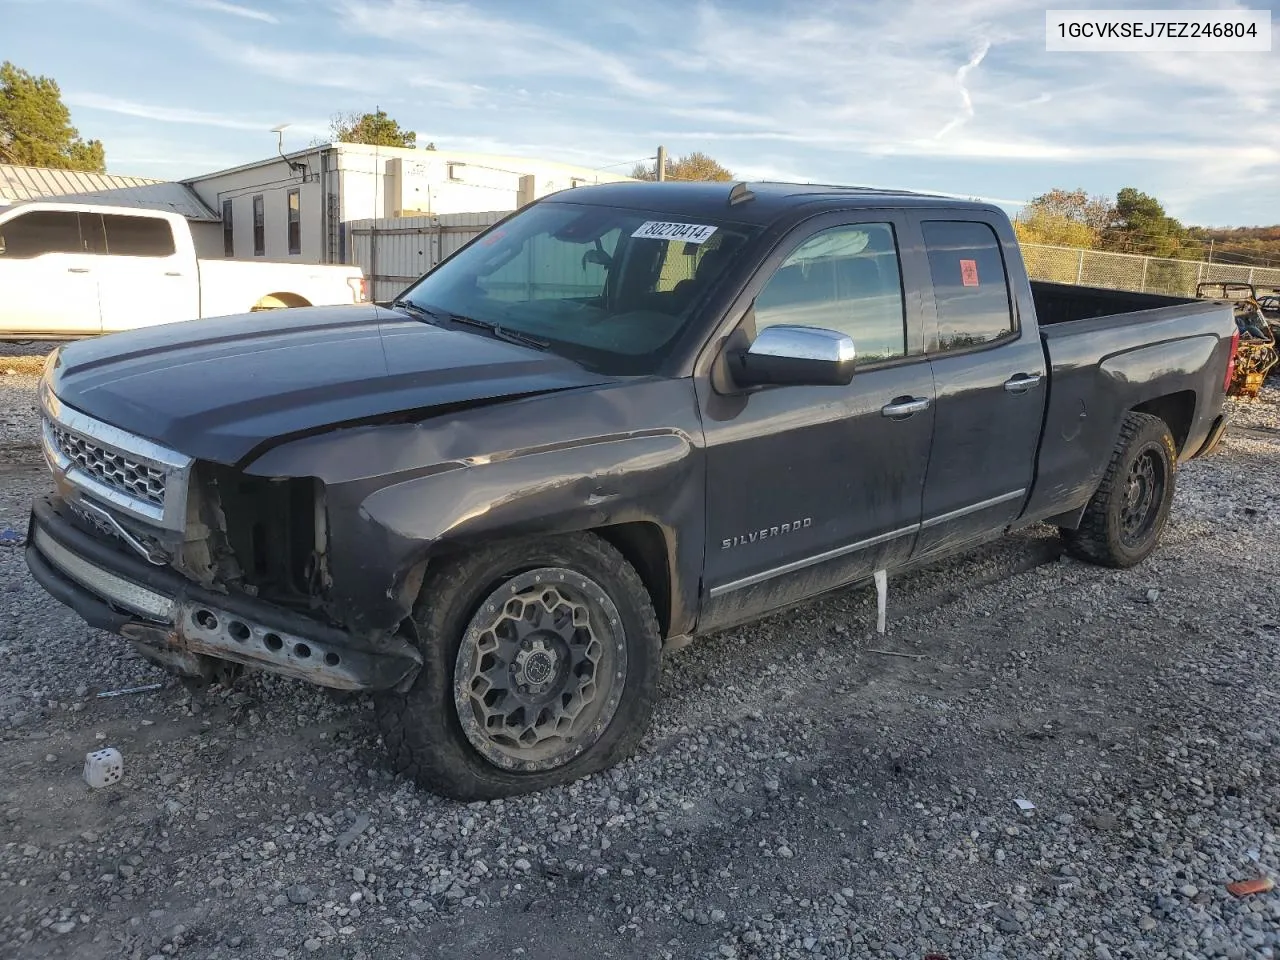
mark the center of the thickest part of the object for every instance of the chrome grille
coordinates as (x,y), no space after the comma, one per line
(130,476)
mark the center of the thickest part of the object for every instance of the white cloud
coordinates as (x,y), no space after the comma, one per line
(234,10)
(458,37)
(161,157)
(823,90)
(855,78)
(129,108)
(346,71)
(184,115)
(966,102)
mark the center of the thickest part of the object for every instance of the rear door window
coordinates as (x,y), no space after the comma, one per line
(969,284)
(138,236)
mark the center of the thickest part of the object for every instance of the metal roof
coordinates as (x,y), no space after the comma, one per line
(31,183)
(47,183)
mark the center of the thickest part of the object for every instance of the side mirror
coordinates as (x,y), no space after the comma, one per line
(795,356)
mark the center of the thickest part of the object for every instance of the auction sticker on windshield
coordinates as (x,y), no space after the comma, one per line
(688,232)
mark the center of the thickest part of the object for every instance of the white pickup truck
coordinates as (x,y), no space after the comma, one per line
(80,269)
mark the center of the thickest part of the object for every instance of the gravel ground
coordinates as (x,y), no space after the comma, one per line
(1259,413)
(20,364)
(809,788)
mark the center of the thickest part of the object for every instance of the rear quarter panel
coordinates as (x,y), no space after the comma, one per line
(235,286)
(1103,368)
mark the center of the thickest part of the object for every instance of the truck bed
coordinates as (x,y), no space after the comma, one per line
(1063,302)
(1107,351)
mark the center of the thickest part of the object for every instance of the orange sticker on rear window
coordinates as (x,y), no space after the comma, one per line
(969,272)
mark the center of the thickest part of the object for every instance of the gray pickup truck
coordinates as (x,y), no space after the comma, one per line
(624,416)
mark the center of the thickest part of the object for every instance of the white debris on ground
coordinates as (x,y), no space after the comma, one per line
(798,796)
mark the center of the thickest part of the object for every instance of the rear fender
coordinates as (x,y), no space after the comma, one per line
(1088,401)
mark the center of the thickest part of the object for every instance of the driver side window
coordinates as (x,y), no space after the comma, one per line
(846,279)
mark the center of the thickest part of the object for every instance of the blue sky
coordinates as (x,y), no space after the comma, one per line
(946,95)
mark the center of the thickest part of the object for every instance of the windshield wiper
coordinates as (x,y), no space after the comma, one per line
(511,336)
(434,313)
(422,313)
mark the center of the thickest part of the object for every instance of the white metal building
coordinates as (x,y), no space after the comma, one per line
(297,206)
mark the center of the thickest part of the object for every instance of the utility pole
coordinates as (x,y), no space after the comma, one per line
(1211,251)
(662,163)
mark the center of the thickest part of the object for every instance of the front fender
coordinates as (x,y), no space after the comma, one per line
(653,478)
(588,485)
(398,495)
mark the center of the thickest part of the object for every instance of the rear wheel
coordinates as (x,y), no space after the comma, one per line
(540,665)
(1124,521)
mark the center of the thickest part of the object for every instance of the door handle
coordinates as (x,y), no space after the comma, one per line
(77,269)
(173,273)
(899,408)
(1022,382)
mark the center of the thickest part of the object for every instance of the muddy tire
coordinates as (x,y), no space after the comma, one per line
(541,661)
(1124,521)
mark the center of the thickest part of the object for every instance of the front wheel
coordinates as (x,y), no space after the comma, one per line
(1124,521)
(541,661)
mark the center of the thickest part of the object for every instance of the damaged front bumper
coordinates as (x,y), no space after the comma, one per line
(178,620)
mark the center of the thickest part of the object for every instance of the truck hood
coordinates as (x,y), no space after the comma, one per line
(223,388)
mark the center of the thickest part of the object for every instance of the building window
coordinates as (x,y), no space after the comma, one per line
(259,227)
(969,284)
(295,221)
(228,230)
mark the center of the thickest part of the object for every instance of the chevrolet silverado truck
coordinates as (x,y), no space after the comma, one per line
(72,270)
(625,416)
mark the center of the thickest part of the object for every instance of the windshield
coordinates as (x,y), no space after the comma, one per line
(607,287)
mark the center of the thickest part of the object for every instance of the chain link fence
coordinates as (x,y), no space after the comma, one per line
(1126,271)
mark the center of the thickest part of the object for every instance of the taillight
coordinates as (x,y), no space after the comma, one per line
(1231,361)
(359,288)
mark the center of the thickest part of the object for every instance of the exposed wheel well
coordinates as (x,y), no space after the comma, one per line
(642,544)
(280,301)
(1176,410)
(645,548)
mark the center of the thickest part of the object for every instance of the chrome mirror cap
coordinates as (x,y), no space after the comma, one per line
(803,343)
(796,356)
